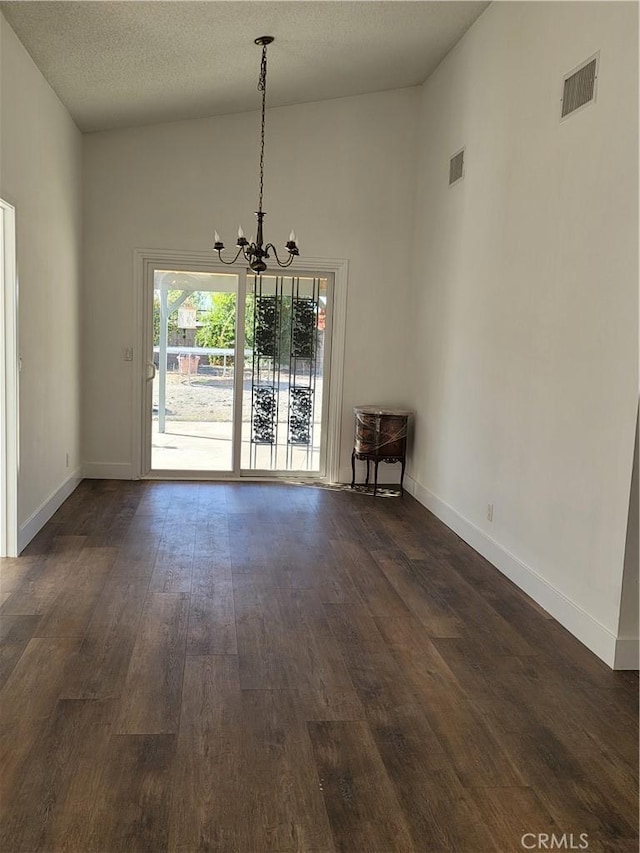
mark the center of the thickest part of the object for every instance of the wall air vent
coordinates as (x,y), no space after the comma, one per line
(579,87)
(456,167)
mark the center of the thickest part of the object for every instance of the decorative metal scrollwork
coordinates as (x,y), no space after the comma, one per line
(300,415)
(266,326)
(303,328)
(264,415)
(287,338)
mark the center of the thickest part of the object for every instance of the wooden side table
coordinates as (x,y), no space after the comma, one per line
(380,436)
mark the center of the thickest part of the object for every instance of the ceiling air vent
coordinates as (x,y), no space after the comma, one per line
(456,167)
(579,87)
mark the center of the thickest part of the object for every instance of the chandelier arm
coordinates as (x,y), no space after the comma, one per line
(228,263)
(280,263)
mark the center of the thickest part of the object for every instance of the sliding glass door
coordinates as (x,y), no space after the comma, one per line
(237,372)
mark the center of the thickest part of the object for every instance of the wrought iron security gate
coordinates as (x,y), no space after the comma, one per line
(285,326)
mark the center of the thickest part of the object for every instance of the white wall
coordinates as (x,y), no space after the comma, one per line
(340,172)
(525,303)
(40,174)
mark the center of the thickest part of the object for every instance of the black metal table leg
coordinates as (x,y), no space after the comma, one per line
(353,469)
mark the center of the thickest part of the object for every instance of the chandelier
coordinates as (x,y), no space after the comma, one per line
(254,252)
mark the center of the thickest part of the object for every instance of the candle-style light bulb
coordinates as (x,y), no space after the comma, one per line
(241,241)
(216,237)
(290,245)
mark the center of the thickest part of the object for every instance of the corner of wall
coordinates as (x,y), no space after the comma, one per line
(47,508)
(568,613)
(628,642)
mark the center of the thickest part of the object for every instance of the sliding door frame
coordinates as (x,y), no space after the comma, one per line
(145,261)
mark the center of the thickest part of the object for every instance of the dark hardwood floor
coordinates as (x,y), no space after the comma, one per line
(246,667)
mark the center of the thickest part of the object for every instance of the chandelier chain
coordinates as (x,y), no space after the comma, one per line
(262,87)
(255,251)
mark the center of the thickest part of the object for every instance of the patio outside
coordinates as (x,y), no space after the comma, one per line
(199,421)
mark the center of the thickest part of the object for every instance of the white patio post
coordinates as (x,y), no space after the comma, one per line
(164,335)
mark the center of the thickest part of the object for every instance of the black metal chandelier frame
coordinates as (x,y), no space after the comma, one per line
(254,252)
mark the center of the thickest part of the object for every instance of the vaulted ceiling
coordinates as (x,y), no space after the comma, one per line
(120,64)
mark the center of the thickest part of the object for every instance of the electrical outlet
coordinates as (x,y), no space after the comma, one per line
(128,354)
(489,512)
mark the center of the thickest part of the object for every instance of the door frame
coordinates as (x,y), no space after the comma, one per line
(146,259)
(9,366)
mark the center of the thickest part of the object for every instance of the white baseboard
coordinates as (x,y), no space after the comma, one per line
(627,653)
(616,653)
(107,470)
(39,518)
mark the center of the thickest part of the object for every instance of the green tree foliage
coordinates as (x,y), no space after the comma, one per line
(219,329)
(249,321)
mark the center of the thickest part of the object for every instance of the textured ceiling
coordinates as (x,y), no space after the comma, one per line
(119,64)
